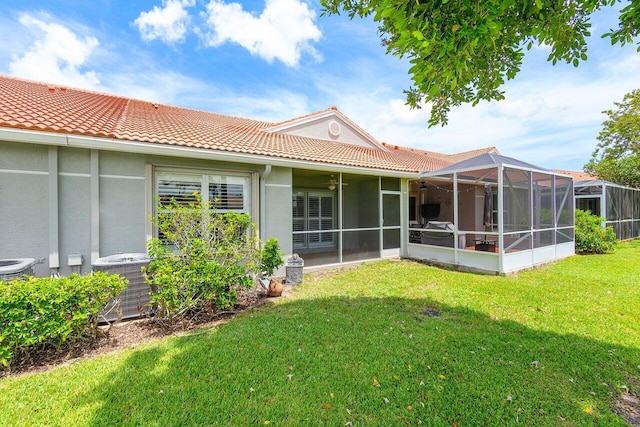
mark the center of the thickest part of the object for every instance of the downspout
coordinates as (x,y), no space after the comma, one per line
(54,225)
(263,200)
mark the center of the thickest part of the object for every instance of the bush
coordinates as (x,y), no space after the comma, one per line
(201,257)
(591,236)
(49,311)
(271,257)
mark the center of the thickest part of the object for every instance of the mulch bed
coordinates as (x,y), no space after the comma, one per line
(126,334)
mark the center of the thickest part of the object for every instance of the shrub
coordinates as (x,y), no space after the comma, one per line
(271,256)
(49,311)
(591,236)
(200,258)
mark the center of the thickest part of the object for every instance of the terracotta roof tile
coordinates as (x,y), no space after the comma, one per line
(39,106)
(465,155)
(577,175)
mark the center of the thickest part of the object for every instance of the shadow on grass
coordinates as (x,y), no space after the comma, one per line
(367,361)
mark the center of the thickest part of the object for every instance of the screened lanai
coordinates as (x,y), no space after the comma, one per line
(343,217)
(491,213)
(617,204)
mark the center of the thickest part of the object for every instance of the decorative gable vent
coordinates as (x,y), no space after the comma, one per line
(334,128)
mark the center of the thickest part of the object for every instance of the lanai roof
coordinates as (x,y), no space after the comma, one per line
(486,160)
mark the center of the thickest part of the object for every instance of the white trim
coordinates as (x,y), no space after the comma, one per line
(24,172)
(152,148)
(142,178)
(278,185)
(74,174)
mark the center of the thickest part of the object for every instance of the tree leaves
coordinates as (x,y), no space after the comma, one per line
(463,52)
(617,156)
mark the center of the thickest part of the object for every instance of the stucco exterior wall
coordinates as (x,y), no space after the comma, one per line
(102,203)
(277,208)
(24,198)
(326,129)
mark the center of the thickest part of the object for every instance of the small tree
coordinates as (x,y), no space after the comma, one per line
(271,257)
(199,257)
(617,156)
(591,236)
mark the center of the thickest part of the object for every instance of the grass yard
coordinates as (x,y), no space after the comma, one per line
(386,343)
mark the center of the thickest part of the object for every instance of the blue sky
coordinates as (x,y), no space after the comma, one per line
(278,59)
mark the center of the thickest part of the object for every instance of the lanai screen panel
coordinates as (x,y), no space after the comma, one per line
(516,209)
(360,217)
(565,216)
(543,210)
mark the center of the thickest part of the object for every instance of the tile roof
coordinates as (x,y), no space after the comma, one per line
(420,160)
(466,155)
(577,175)
(41,107)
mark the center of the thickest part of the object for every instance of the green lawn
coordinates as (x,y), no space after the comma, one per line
(386,343)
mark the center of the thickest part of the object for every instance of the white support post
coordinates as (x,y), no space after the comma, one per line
(456,223)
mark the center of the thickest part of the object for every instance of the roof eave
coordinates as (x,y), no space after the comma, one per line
(136,147)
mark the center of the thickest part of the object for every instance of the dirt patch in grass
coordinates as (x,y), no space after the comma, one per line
(128,334)
(431,312)
(628,407)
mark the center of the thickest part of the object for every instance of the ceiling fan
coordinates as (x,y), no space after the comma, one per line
(333,183)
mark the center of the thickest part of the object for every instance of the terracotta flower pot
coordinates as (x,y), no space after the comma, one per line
(275,288)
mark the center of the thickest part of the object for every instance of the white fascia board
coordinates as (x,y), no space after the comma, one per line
(32,137)
(149,148)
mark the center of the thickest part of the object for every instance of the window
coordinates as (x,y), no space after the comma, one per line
(228,192)
(313,211)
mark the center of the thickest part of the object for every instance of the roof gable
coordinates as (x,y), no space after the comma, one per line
(328,125)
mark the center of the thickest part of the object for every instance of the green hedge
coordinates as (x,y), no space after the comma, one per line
(591,236)
(49,311)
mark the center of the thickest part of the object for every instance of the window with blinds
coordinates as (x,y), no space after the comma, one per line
(313,212)
(225,192)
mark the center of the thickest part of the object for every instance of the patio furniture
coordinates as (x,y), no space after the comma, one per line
(438,235)
(485,245)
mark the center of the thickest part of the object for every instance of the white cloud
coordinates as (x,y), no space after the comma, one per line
(57,55)
(168,23)
(283,31)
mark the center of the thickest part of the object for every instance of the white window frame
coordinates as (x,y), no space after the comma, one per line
(308,231)
(204,177)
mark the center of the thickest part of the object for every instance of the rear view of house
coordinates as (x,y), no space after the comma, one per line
(81,174)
